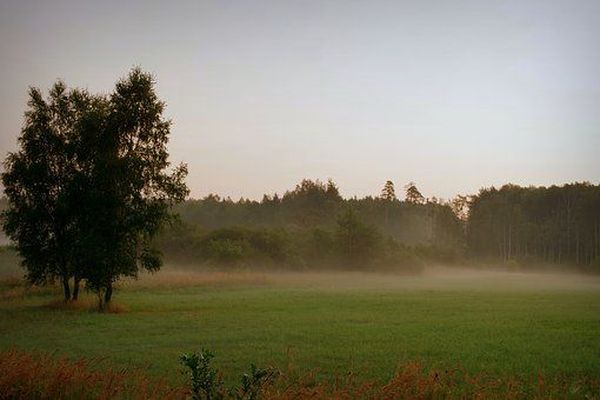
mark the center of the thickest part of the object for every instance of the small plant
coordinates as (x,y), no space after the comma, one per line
(206,384)
(253,382)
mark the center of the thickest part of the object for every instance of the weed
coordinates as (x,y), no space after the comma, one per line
(206,382)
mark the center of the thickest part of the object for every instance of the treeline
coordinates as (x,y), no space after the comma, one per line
(557,224)
(315,204)
(313,226)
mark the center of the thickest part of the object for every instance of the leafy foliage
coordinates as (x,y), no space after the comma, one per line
(39,180)
(413,195)
(358,243)
(388,192)
(206,383)
(89,187)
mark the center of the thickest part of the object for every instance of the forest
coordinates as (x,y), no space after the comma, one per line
(557,224)
(312,226)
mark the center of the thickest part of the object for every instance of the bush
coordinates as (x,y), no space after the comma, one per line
(401,258)
(224,251)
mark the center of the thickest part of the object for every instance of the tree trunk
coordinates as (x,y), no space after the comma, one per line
(509,257)
(108,294)
(577,246)
(597,241)
(100,302)
(75,289)
(66,288)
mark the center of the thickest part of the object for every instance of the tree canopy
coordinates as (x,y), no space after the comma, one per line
(388,192)
(556,224)
(91,184)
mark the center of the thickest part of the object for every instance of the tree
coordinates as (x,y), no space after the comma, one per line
(128,192)
(388,193)
(357,242)
(413,195)
(312,202)
(91,185)
(37,181)
(460,206)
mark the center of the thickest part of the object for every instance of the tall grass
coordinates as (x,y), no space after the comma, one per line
(39,376)
(413,381)
(177,278)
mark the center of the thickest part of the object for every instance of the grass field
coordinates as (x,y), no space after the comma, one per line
(498,323)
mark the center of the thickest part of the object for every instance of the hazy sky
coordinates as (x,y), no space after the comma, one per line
(454,95)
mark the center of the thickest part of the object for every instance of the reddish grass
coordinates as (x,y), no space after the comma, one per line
(170,278)
(12,289)
(413,382)
(39,376)
(86,304)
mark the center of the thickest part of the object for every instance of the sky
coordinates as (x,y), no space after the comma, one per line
(453,95)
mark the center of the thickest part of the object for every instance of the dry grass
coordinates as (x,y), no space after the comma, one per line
(83,304)
(413,382)
(168,279)
(86,304)
(38,376)
(14,289)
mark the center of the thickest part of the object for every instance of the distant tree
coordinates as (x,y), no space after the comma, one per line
(357,242)
(388,195)
(413,195)
(38,182)
(312,202)
(460,206)
(388,192)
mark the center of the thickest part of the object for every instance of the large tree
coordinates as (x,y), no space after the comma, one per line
(91,184)
(37,181)
(130,188)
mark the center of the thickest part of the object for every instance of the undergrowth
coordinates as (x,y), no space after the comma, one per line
(39,376)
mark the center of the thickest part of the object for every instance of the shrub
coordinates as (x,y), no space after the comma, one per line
(224,251)
(401,258)
(205,381)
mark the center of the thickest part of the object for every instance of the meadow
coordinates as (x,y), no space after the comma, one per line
(328,323)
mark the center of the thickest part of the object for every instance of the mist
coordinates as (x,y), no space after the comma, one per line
(308,200)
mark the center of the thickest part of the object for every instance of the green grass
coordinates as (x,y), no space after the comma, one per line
(503,324)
